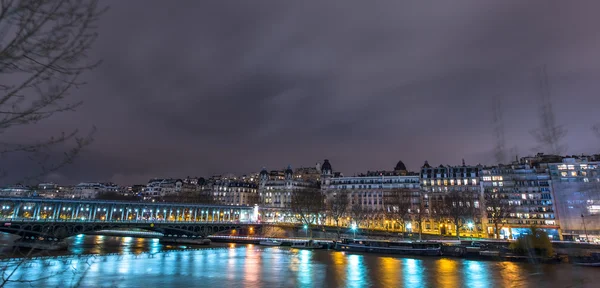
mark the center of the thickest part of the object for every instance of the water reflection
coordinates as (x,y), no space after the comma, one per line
(224,265)
(304,268)
(356,271)
(447,273)
(475,274)
(412,272)
(389,271)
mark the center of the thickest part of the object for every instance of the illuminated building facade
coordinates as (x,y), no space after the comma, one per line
(526,187)
(437,182)
(576,184)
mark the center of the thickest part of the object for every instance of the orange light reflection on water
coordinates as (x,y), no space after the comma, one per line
(447,273)
(389,271)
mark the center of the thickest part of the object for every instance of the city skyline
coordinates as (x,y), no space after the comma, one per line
(363,94)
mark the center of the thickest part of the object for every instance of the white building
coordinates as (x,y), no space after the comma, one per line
(527,188)
(235,192)
(576,185)
(369,190)
(437,182)
(92,189)
(276,187)
(16,191)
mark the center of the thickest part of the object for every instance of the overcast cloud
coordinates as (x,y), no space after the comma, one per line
(208,87)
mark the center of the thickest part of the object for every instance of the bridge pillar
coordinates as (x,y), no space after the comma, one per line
(56,213)
(195,210)
(110,211)
(127,213)
(16,210)
(36,210)
(95,208)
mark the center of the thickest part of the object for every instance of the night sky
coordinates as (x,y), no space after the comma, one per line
(196,88)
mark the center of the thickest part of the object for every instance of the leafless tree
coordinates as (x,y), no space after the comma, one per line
(43,53)
(459,208)
(307,205)
(397,204)
(358,213)
(498,209)
(337,207)
(549,135)
(420,212)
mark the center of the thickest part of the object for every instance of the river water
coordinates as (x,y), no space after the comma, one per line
(140,262)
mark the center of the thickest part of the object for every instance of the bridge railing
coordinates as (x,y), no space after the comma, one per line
(9,220)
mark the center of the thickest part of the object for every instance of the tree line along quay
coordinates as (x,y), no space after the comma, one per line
(558,194)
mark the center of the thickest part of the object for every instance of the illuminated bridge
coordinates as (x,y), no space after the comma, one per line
(57,219)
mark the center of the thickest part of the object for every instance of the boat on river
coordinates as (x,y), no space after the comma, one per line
(310,244)
(270,242)
(390,247)
(590,261)
(190,241)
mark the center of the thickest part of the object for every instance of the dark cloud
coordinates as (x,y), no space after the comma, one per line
(195,88)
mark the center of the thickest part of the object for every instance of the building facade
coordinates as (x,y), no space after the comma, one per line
(370,192)
(576,185)
(88,190)
(439,182)
(526,192)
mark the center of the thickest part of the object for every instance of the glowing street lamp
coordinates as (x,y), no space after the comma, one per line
(353,227)
(470,225)
(306,230)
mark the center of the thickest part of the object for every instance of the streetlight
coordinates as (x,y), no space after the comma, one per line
(408,227)
(353,227)
(470,225)
(306,230)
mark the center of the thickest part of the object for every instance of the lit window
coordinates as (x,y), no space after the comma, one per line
(524,196)
(466,181)
(562,167)
(573,173)
(500,183)
(571,167)
(451,181)
(563,173)
(474,181)
(445,182)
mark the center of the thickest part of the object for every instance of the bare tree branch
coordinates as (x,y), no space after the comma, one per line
(498,208)
(397,204)
(549,135)
(43,53)
(337,206)
(307,205)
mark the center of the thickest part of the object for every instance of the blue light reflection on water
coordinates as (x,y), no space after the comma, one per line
(412,272)
(475,273)
(356,271)
(256,266)
(304,268)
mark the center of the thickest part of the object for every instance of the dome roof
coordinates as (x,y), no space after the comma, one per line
(326,166)
(400,166)
(289,170)
(264,171)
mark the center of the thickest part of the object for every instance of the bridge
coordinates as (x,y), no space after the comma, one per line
(56,219)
